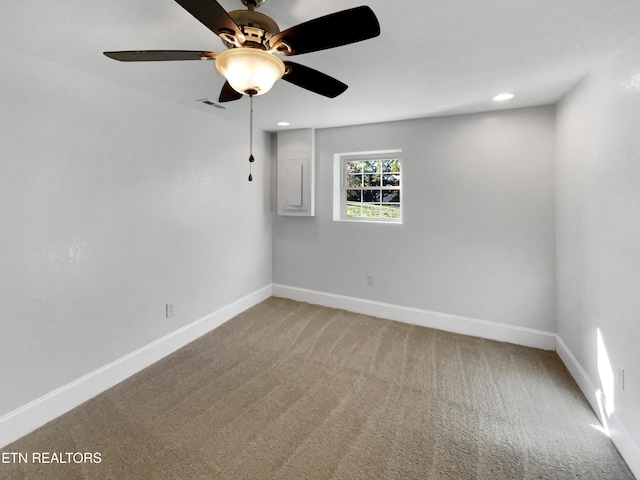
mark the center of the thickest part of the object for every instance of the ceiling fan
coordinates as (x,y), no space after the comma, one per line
(250,65)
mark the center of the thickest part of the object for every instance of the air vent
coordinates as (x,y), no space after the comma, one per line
(213,104)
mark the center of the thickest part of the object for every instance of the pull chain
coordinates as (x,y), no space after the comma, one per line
(251,159)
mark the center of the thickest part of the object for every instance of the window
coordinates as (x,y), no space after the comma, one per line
(367,186)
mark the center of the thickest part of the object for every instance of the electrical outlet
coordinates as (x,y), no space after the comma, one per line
(169,310)
(370,279)
(620,377)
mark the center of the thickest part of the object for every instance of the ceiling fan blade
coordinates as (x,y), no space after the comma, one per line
(313,80)
(160,55)
(211,14)
(333,30)
(228,94)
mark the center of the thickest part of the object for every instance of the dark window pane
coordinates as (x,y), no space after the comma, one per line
(370,196)
(354,196)
(391,196)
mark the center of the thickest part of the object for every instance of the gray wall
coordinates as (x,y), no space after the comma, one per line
(113,204)
(478,233)
(598,228)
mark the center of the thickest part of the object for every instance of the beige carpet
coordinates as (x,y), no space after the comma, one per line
(287,390)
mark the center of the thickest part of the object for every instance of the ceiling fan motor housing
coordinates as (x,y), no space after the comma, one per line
(252,3)
(257,28)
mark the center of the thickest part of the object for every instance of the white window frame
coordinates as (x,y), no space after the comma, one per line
(340,184)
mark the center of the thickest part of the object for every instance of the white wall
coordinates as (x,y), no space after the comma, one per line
(598,235)
(477,238)
(113,204)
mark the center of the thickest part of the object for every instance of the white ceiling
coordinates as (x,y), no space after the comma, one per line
(432,58)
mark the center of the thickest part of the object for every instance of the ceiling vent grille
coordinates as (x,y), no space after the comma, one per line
(213,104)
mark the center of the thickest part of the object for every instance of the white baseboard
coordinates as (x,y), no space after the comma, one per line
(578,373)
(33,415)
(441,321)
(623,441)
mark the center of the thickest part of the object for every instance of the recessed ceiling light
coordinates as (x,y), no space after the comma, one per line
(503,96)
(283,124)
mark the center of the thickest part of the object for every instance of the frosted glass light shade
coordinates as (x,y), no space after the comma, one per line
(249,69)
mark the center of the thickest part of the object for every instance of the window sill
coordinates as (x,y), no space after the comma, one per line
(363,220)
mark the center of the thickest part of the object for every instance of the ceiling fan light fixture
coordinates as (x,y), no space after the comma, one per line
(250,70)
